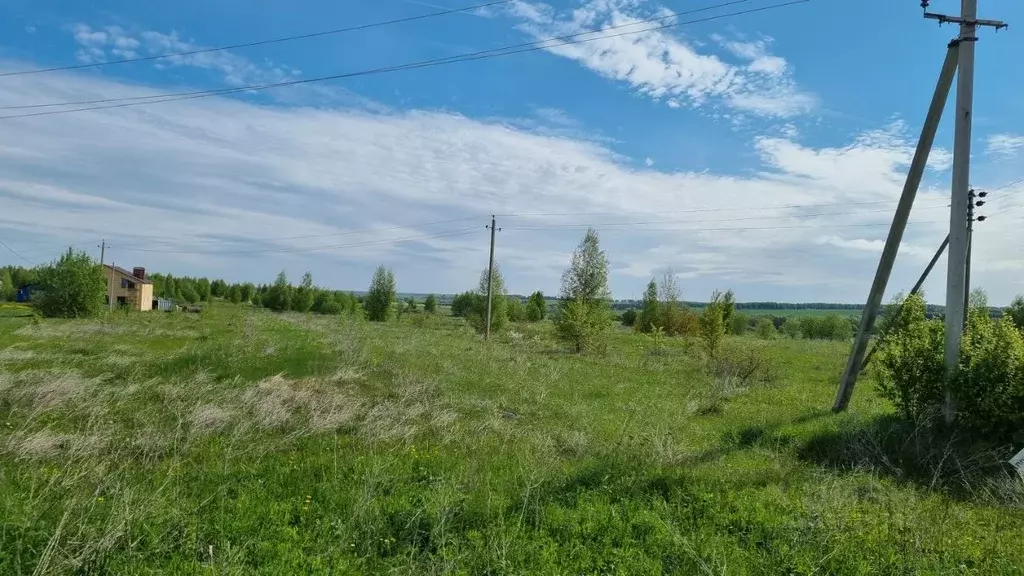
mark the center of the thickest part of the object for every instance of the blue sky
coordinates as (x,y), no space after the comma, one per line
(760,152)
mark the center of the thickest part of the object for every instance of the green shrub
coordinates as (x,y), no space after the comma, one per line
(477,315)
(737,324)
(1016,312)
(791,327)
(71,287)
(765,328)
(828,327)
(515,310)
(463,303)
(988,384)
(430,304)
(628,318)
(582,324)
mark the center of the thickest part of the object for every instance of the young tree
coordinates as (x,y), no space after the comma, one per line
(279,296)
(381,296)
(1016,311)
(302,297)
(463,304)
(410,304)
(219,289)
(202,288)
(583,313)
(650,312)
(536,307)
(71,287)
(430,304)
(737,323)
(8,290)
(765,328)
(234,294)
(728,307)
(629,317)
(516,310)
(712,326)
(247,290)
(499,303)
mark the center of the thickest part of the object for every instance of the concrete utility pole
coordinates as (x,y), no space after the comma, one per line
(110,287)
(899,224)
(956,272)
(103,250)
(490,279)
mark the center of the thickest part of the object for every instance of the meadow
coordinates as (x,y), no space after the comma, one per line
(240,441)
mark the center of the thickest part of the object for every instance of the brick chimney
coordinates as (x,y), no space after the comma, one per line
(139,272)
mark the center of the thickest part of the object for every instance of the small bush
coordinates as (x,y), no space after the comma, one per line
(582,325)
(628,318)
(738,324)
(988,384)
(765,328)
(430,304)
(791,327)
(536,307)
(515,310)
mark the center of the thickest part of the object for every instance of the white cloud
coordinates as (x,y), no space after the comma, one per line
(667,67)
(218,175)
(114,42)
(648,162)
(1004,145)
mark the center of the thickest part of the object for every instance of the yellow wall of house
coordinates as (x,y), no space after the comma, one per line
(138,298)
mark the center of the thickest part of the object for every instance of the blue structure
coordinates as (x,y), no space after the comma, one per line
(24,294)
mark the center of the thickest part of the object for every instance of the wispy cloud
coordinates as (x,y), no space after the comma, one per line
(1005,145)
(665,66)
(98,45)
(218,174)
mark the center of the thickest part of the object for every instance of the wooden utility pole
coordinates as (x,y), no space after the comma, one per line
(490,279)
(110,287)
(899,224)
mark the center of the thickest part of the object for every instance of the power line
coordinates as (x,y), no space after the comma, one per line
(261,42)
(744,228)
(180,240)
(11,250)
(481,55)
(448,234)
(691,210)
(787,216)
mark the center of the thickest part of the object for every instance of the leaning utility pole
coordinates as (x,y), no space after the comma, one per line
(956,271)
(490,279)
(899,224)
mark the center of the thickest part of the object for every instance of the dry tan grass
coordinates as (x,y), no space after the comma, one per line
(322,403)
(47,444)
(11,355)
(209,418)
(44,390)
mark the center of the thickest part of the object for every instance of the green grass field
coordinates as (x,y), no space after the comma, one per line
(238,441)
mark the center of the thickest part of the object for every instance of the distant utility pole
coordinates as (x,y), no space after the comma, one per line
(490,279)
(956,271)
(103,250)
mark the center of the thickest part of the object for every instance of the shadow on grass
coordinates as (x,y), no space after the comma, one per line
(922,454)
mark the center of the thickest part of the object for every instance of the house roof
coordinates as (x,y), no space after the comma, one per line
(124,272)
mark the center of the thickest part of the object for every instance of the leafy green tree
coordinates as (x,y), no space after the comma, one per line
(499,303)
(672,313)
(8,291)
(712,326)
(410,304)
(71,287)
(302,297)
(279,296)
(234,294)
(381,296)
(430,304)
(536,307)
(583,312)
(1016,312)
(218,289)
(202,288)
(729,307)
(189,294)
(247,291)
(352,305)
(650,311)
(515,309)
